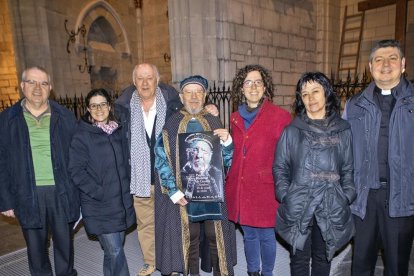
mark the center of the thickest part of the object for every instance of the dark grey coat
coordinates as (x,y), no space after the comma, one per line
(313,172)
(123,113)
(364,117)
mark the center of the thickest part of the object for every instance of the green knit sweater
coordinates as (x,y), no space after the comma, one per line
(39,133)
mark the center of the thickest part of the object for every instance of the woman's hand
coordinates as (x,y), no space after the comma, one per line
(222,133)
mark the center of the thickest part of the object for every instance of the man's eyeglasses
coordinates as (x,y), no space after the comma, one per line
(33,83)
(198,92)
(94,106)
(249,83)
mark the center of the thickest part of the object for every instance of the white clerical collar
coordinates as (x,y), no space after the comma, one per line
(386,92)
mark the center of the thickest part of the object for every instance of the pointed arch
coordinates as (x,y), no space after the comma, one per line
(100,8)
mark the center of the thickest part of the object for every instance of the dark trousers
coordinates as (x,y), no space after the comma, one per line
(54,220)
(210,232)
(314,248)
(379,230)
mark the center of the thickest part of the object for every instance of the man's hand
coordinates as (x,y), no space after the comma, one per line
(212,109)
(182,201)
(9,213)
(222,133)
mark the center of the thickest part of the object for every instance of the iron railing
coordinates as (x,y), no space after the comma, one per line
(220,96)
(345,89)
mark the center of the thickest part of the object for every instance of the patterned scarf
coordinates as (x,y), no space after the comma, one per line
(108,128)
(140,152)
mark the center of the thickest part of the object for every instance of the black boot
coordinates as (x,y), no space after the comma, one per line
(253,273)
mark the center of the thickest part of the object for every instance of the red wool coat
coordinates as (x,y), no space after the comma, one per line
(250,190)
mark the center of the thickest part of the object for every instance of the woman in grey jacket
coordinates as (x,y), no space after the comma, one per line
(313,172)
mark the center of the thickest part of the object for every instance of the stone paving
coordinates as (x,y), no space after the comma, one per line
(11,235)
(344,268)
(88,255)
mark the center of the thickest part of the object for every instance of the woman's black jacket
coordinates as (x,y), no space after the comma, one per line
(313,173)
(97,169)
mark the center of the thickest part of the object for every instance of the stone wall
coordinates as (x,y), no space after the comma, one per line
(409,46)
(110,40)
(280,35)
(9,90)
(182,37)
(216,38)
(156,38)
(118,35)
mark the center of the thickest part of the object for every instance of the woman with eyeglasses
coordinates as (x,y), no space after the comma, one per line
(313,170)
(98,170)
(250,194)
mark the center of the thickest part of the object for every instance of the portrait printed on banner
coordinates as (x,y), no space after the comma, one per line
(201,166)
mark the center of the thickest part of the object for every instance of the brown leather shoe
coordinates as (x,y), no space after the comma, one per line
(147,270)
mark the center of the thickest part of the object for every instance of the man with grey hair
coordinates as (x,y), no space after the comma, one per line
(382,123)
(142,110)
(35,187)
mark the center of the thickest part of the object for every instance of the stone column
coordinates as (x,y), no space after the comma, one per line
(328,34)
(31,34)
(193,38)
(140,46)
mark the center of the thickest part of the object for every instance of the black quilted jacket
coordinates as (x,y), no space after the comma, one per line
(313,172)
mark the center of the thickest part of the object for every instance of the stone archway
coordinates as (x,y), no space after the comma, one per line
(105,41)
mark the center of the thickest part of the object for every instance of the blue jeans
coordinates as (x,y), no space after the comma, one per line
(259,245)
(115,263)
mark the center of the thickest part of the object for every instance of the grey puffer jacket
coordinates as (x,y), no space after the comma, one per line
(313,173)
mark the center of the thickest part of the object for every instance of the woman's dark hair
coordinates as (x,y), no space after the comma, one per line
(332,100)
(237,93)
(98,92)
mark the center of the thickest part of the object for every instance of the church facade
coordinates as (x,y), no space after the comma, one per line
(87,44)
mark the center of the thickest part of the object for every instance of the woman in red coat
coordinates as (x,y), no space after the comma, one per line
(250,194)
